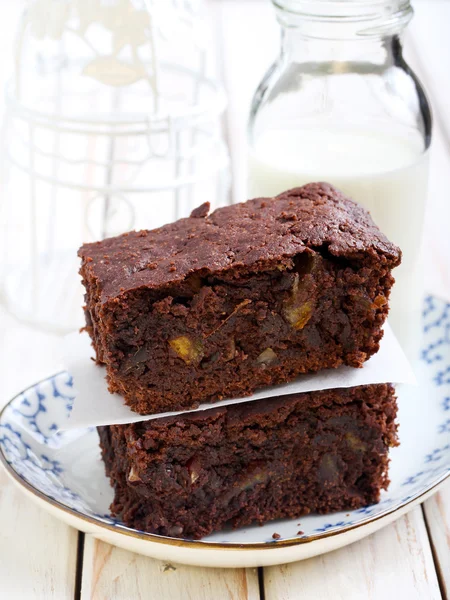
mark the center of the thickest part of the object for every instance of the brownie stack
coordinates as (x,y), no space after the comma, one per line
(218,306)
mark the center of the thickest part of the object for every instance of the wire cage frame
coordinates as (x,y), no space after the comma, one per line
(107,141)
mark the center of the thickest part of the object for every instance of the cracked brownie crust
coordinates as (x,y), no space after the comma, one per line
(190,475)
(253,295)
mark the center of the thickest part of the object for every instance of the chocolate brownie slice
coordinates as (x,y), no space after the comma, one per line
(254,294)
(190,475)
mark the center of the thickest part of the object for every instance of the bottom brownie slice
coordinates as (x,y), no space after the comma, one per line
(190,475)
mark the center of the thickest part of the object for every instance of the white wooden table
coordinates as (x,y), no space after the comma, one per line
(42,558)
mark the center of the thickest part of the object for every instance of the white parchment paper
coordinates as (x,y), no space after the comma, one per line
(94,405)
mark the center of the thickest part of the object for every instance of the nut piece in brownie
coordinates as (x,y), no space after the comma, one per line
(190,475)
(254,294)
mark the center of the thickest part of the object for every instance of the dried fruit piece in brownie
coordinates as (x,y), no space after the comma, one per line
(193,474)
(253,295)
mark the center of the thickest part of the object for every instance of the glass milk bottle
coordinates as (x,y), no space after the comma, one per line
(341,105)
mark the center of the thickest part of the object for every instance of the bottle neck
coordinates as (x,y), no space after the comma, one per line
(342,30)
(299,48)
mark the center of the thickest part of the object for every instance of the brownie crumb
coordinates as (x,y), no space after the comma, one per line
(276,536)
(201,211)
(300,532)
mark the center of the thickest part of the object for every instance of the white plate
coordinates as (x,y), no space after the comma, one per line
(63,472)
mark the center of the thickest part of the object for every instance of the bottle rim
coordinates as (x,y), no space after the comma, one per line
(371,17)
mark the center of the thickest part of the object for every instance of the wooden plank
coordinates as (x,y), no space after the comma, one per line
(437,514)
(110,572)
(37,552)
(394,563)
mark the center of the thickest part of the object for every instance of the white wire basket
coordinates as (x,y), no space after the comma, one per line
(112,123)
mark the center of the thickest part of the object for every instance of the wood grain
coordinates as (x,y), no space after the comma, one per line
(37,552)
(437,514)
(392,564)
(110,572)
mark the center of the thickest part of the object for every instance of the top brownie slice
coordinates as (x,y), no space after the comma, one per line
(252,295)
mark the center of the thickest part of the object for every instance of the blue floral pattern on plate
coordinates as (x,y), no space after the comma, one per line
(66,467)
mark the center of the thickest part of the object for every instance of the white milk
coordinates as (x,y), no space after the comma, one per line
(386,174)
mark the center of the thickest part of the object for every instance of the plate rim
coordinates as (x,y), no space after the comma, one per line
(198,544)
